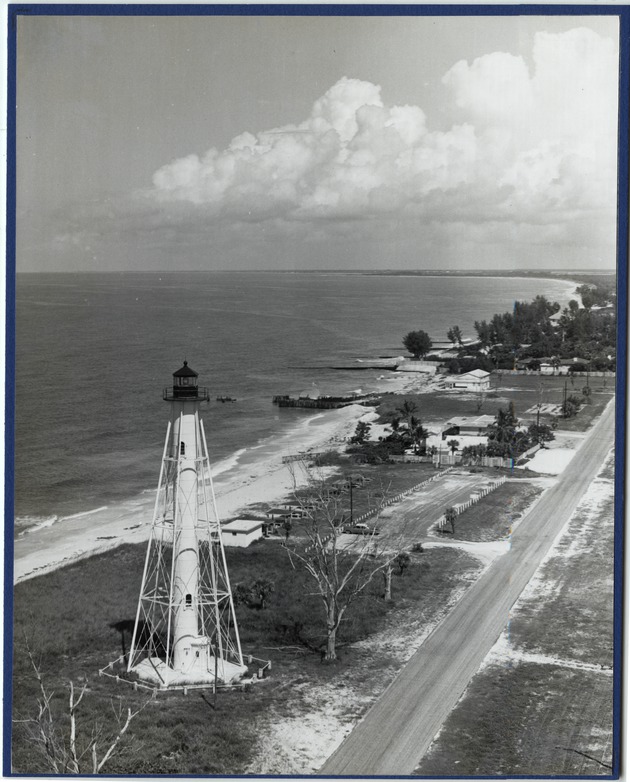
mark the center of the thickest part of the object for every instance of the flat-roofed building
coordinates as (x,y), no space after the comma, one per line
(474,426)
(241,532)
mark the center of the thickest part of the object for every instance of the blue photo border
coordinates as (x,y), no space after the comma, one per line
(81,9)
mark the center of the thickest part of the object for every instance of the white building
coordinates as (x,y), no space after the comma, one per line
(477,380)
(241,532)
(476,426)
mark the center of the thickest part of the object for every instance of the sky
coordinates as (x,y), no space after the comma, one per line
(257,142)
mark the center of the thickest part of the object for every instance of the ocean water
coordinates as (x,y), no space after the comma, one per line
(93,352)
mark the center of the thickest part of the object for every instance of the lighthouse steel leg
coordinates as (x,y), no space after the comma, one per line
(213,567)
(220,544)
(173,558)
(205,460)
(146,559)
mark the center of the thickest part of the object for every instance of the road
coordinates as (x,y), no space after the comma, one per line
(410,520)
(397,731)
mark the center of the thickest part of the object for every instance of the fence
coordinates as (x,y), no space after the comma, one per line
(474,499)
(496,461)
(408,458)
(303,456)
(117,669)
(447,458)
(560,371)
(391,500)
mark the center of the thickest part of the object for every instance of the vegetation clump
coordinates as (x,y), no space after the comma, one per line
(536,331)
(407,435)
(507,438)
(418,343)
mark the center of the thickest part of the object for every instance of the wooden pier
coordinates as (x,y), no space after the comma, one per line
(324,402)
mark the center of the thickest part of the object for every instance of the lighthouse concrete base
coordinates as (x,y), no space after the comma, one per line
(157,672)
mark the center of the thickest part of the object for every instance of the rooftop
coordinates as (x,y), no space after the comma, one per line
(477,373)
(185,371)
(242,525)
(480,421)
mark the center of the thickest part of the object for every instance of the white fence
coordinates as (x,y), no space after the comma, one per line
(561,371)
(409,458)
(496,461)
(474,499)
(391,500)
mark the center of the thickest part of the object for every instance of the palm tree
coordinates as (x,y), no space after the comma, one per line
(504,424)
(396,431)
(418,434)
(406,410)
(453,445)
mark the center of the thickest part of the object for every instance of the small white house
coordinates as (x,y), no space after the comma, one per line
(477,380)
(241,532)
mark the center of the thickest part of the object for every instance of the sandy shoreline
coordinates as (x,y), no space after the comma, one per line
(257,476)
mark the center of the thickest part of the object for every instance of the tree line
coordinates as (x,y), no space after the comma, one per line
(535,330)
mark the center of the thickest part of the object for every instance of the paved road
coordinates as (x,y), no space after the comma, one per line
(398,729)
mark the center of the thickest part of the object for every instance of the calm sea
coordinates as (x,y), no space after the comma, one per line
(93,353)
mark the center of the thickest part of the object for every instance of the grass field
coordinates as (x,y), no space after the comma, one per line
(384,480)
(543,702)
(493,517)
(525,391)
(66,618)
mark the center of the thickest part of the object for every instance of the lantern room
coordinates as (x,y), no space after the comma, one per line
(185,382)
(185,386)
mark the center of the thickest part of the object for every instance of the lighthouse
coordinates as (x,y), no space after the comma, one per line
(185,631)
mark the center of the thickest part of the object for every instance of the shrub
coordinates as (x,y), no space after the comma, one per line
(329,459)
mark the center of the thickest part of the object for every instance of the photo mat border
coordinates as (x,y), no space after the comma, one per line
(15,11)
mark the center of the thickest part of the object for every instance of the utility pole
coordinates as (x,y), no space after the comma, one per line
(564,406)
(351,514)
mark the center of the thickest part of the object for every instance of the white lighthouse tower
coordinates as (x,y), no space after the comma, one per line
(185,631)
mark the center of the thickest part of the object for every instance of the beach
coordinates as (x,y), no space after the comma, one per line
(258,476)
(89,434)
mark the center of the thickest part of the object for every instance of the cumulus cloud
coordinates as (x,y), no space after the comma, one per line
(526,143)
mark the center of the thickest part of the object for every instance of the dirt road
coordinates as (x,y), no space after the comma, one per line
(413,518)
(398,729)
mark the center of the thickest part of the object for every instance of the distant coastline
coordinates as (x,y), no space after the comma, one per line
(573,275)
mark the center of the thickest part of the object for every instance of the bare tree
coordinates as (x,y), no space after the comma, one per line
(55,735)
(387,579)
(341,570)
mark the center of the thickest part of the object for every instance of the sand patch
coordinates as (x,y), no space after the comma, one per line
(550,461)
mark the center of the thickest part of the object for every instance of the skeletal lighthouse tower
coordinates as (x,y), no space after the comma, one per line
(185,631)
